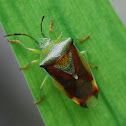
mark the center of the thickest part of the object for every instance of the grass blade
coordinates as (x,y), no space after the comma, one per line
(106,48)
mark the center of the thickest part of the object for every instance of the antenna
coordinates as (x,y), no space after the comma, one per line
(41,26)
(24,35)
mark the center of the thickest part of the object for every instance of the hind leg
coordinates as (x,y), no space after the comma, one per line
(42,85)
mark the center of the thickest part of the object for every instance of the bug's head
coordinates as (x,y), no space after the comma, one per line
(44,42)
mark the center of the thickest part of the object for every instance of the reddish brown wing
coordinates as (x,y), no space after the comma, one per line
(73,75)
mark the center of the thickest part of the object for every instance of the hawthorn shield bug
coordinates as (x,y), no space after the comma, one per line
(65,64)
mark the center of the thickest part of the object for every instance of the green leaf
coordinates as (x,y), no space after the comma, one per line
(106,48)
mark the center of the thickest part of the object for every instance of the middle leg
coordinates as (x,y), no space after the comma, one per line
(85,38)
(32,62)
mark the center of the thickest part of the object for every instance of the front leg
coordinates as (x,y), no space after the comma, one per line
(29,49)
(50,27)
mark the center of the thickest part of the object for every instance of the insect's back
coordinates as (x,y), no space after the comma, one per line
(71,73)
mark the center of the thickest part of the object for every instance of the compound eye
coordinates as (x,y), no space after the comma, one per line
(40,47)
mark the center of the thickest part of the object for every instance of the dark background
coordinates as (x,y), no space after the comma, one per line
(16,102)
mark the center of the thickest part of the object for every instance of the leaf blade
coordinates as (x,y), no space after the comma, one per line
(105,47)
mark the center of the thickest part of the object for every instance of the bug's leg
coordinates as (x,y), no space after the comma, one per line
(61,35)
(91,66)
(32,62)
(83,52)
(50,27)
(29,49)
(85,38)
(42,85)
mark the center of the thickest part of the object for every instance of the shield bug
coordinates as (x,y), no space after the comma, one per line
(67,67)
